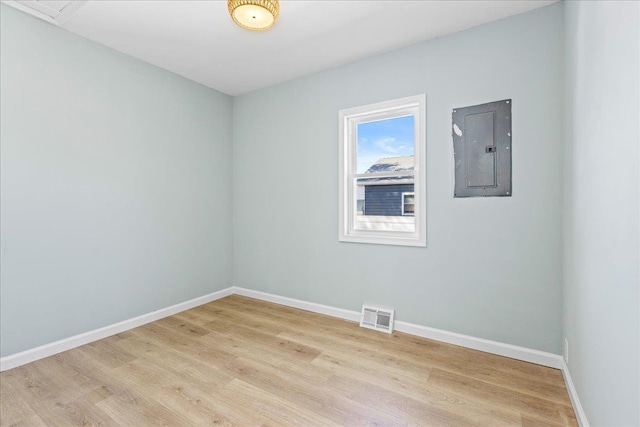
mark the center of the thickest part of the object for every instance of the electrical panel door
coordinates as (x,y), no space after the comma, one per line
(482,149)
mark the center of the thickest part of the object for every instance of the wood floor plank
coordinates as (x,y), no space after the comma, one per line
(190,396)
(432,413)
(291,348)
(202,349)
(52,405)
(30,382)
(531,406)
(183,326)
(105,351)
(190,369)
(252,320)
(132,408)
(197,316)
(411,383)
(280,315)
(414,385)
(276,411)
(34,421)
(14,407)
(271,356)
(241,361)
(309,396)
(483,366)
(75,412)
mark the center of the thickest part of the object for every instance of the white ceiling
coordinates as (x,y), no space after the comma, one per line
(198,39)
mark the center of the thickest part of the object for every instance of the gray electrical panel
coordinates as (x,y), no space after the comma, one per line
(482,149)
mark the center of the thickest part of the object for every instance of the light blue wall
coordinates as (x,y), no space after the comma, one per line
(601,254)
(115,182)
(492,267)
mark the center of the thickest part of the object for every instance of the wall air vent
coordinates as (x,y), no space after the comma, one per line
(380,319)
(54,11)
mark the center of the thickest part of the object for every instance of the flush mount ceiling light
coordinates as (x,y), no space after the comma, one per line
(254,15)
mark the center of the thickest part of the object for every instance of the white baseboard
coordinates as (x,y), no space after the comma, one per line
(508,350)
(31,355)
(341,313)
(488,346)
(573,395)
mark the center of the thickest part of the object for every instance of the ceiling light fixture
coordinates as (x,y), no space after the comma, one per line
(254,15)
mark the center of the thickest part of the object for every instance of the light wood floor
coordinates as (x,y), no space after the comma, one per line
(240,361)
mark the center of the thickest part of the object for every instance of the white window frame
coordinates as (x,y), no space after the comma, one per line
(349,119)
(403,203)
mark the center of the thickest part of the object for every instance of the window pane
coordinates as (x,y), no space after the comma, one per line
(384,207)
(404,223)
(409,209)
(409,198)
(385,145)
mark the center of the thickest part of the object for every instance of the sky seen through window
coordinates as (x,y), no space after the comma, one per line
(384,138)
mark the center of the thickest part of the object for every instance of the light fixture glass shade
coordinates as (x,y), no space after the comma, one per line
(254,15)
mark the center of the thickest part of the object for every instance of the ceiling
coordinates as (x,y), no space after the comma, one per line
(198,39)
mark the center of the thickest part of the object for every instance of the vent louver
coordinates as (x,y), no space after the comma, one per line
(380,319)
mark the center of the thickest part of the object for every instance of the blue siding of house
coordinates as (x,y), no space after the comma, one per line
(385,199)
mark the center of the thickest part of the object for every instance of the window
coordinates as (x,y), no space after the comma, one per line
(408,204)
(382,173)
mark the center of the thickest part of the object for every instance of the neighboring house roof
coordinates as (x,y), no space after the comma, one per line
(390,164)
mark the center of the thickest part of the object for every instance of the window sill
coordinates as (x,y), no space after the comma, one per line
(384,240)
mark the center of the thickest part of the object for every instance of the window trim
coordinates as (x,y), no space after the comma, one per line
(412,193)
(348,120)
